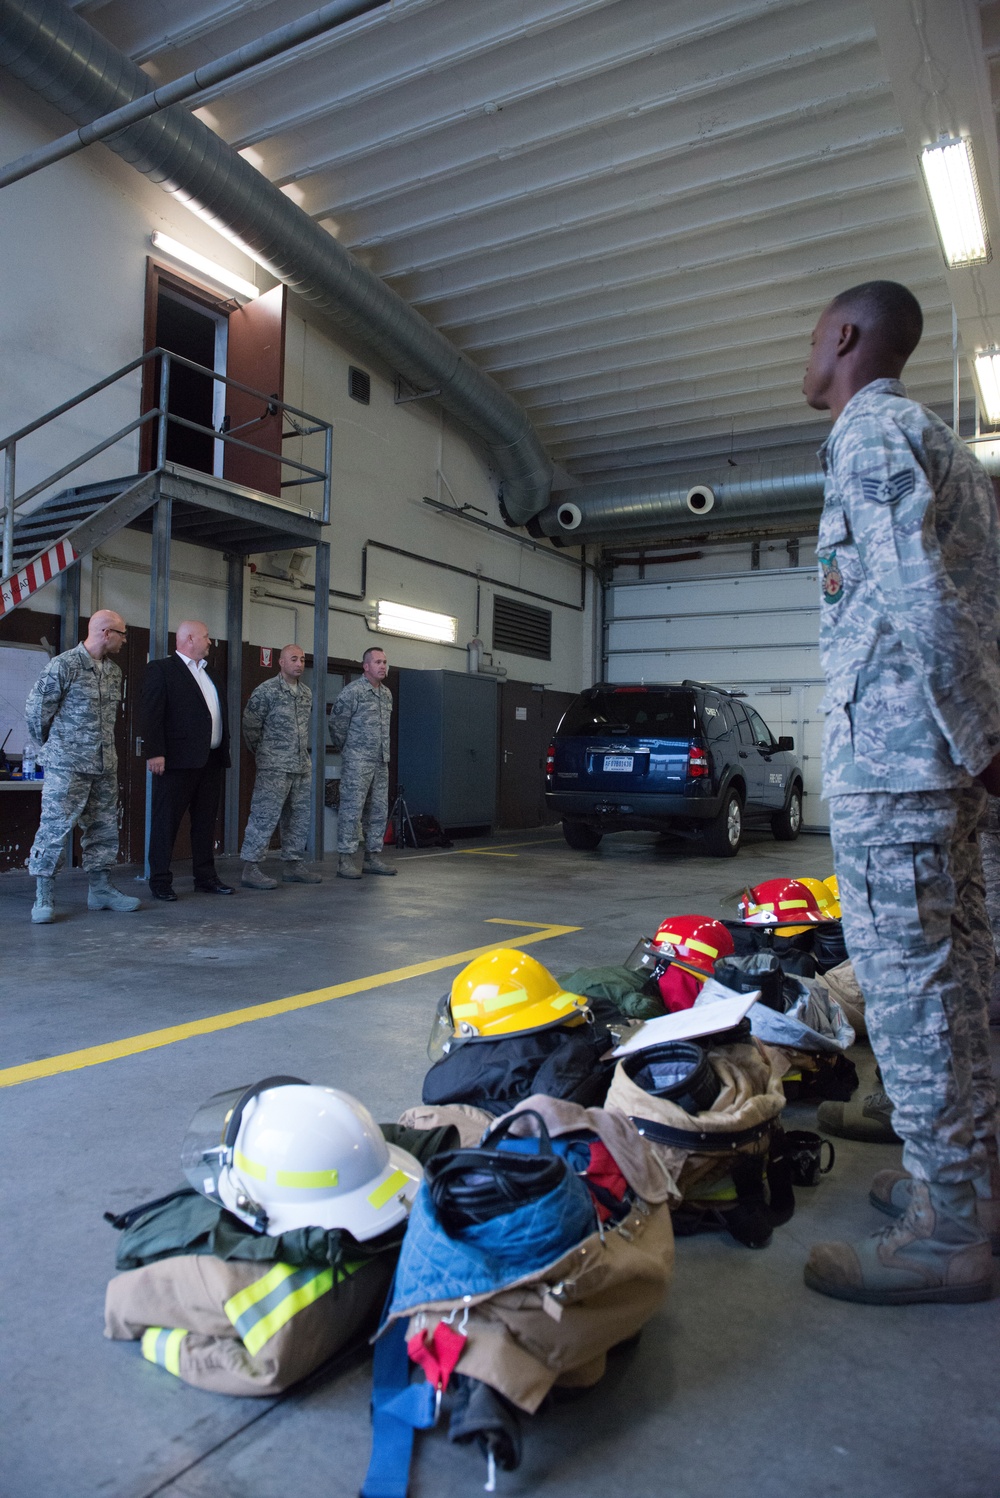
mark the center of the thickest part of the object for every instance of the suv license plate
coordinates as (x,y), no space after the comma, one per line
(618,761)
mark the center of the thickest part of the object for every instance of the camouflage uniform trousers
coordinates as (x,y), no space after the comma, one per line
(279,796)
(70,800)
(989,847)
(914,910)
(364,804)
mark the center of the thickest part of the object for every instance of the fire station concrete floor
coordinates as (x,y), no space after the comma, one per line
(746,1384)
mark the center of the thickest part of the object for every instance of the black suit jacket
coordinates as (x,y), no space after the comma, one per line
(175,718)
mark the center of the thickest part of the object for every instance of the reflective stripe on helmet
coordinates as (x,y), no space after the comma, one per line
(508,1000)
(793,905)
(250,1167)
(162,1345)
(388,1189)
(692,942)
(307,1180)
(267,1305)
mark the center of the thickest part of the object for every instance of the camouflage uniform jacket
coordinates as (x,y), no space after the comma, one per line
(276,726)
(909,554)
(71,711)
(359,722)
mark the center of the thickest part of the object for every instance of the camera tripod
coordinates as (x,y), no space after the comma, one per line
(399,820)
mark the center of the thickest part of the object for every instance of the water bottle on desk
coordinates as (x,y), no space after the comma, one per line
(28,762)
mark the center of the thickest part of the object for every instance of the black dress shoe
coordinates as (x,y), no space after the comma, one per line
(162,894)
(216,887)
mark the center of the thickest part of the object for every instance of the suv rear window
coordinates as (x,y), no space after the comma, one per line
(633,714)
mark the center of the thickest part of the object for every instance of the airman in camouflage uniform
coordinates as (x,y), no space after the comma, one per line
(276,724)
(359,727)
(71,713)
(909,554)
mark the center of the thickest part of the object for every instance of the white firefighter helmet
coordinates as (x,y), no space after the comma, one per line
(284,1154)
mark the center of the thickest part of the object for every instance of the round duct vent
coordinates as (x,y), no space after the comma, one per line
(569,516)
(700,499)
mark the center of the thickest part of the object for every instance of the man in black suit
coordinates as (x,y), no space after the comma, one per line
(186,739)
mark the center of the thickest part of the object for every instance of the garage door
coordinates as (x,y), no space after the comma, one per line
(754,632)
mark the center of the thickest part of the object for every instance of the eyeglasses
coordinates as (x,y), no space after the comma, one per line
(110,631)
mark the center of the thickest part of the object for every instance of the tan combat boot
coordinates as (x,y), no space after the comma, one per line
(891,1191)
(375,864)
(253,877)
(349,864)
(935,1252)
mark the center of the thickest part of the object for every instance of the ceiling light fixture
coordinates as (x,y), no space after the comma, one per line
(987,366)
(416,624)
(950,173)
(219,273)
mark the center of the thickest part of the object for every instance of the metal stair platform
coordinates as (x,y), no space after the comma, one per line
(206,511)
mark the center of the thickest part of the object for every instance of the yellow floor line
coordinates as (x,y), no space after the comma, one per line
(96,1055)
(486,853)
(536,842)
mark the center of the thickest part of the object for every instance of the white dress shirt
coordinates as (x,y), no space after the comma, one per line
(207,687)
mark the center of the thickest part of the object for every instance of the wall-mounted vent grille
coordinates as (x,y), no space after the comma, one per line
(359,385)
(521,628)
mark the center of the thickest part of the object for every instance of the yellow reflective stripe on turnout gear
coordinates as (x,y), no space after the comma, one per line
(307,1180)
(388,1188)
(162,1345)
(250,1167)
(264,1307)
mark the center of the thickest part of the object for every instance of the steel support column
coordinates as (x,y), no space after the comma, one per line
(159,606)
(69,607)
(321,632)
(235,567)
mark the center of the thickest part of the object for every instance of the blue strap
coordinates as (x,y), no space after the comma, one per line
(398,1409)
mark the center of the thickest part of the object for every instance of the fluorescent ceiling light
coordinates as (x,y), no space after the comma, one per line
(988,379)
(207,267)
(418,624)
(950,174)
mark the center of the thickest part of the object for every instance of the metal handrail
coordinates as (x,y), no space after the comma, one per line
(8,444)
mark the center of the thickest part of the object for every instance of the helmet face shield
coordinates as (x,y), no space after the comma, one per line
(204,1153)
(442,1035)
(647,959)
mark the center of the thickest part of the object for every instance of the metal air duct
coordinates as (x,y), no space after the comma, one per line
(639,508)
(768,497)
(56,53)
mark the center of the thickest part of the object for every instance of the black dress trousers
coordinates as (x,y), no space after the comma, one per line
(174,793)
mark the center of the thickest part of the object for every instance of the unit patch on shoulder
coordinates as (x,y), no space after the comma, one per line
(888,491)
(831,578)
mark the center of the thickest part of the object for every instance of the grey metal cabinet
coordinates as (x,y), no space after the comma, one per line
(447,746)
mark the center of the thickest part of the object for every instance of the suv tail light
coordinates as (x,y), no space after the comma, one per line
(697,762)
(550,760)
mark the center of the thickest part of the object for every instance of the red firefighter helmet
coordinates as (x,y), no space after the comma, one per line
(780,903)
(694,943)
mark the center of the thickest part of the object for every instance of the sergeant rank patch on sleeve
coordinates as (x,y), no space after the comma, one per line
(888,491)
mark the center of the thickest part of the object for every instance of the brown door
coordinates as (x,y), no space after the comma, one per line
(528,716)
(256,357)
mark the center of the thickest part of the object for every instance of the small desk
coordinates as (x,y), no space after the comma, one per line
(20,810)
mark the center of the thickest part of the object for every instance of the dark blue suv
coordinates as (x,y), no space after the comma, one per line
(690,758)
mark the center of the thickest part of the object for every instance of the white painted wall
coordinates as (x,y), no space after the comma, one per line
(73,242)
